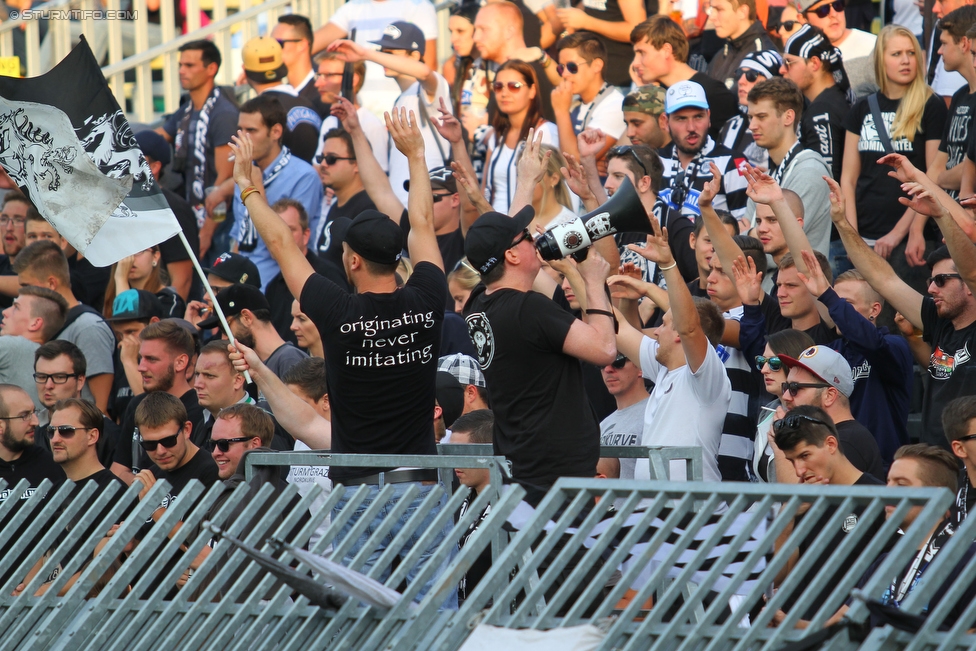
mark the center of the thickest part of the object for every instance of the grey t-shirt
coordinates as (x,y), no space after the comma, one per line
(624,427)
(96,340)
(17,364)
(283,358)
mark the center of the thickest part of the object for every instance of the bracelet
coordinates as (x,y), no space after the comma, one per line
(545,60)
(601,312)
(673,265)
(248,191)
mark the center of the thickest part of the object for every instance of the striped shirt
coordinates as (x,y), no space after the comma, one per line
(736,445)
(691,181)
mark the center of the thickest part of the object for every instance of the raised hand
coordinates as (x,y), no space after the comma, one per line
(594,267)
(243,150)
(838,203)
(405,132)
(575,175)
(346,114)
(903,170)
(590,142)
(762,187)
(817,282)
(448,127)
(625,286)
(712,186)
(657,250)
(349,51)
(921,200)
(532,165)
(562,96)
(748,281)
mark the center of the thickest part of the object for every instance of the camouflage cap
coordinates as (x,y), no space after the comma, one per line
(645,99)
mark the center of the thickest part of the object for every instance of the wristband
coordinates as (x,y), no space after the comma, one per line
(545,60)
(601,312)
(673,265)
(248,191)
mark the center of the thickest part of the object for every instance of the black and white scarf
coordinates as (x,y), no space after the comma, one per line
(249,234)
(195,190)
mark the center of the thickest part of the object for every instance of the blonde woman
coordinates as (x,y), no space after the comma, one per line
(913,119)
(460,281)
(551,198)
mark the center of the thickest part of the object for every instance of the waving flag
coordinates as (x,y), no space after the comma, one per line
(66,143)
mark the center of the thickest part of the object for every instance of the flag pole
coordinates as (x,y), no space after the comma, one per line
(213,297)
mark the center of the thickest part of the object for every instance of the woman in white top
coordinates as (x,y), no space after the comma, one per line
(519,108)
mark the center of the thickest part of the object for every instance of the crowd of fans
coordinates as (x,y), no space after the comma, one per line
(799,304)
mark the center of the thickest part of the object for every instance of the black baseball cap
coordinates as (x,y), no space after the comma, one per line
(491,235)
(232,300)
(236,268)
(136,305)
(402,35)
(375,237)
(441,178)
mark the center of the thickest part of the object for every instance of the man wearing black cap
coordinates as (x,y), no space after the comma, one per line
(174,254)
(401,54)
(228,269)
(381,343)
(249,315)
(529,349)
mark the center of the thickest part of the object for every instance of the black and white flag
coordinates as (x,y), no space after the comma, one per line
(65,141)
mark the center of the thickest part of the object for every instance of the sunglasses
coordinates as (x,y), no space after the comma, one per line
(330,159)
(794,387)
(968,437)
(512,85)
(619,362)
(224,444)
(788,25)
(824,11)
(628,150)
(775,363)
(57,378)
(440,197)
(750,74)
(526,235)
(941,279)
(572,67)
(793,421)
(168,442)
(66,431)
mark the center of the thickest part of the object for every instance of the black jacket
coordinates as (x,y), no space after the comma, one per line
(725,65)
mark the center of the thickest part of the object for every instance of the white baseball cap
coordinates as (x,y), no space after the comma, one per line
(685,94)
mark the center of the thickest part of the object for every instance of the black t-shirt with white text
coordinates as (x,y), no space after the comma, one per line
(878,209)
(381,354)
(128,434)
(544,423)
(957,134)
(201,466)
(358,203)
(822,127)
(951,371)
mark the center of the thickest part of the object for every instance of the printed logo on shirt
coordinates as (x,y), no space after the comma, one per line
(479,329)
(871,141)
(849,523)
(7,492)
(598,5)
(942,364)
(740,165)
(623,438)
(861,372)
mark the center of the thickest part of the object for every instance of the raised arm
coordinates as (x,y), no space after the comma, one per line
(352,52)
(578,182)
(872,266)
(375,181)
(422,240)
(593,339)
(725,247)
(765,190)
(276,235)
(295,415)
(531,167)
(450,130)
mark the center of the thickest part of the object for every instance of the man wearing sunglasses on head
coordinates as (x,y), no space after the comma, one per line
(164,433)
(856,47)
(821,377)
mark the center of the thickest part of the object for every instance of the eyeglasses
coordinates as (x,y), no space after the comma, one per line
(330,159)
(787,63)
(793,421)
(750,74)
(794,387)
(282,41)
(324,75)
(775,363)
(824,11)
(57,378)
(941,279)
(18,221)
(572,67)
(167,442)
(66,431)
(224,444)
(512,85)
(628,150)
(26,416)
(788,25)
(619,362)
(526,235)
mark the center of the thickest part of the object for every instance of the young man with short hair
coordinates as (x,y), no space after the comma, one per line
(625,426)
(218,386)
(959,425)
(735,22)
(856,46)
(339,170)
(661,56)
(34,318)
(475,427)
(294,34)
(643,110)
(132,310)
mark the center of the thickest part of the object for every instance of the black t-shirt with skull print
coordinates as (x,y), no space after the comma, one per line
(543,421)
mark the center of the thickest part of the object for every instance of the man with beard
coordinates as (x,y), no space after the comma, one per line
(643,110)
(249,315)
(19,457)
(686,159)
(165,352)
(947,316)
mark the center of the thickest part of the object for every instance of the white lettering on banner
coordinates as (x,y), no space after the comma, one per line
(376,335)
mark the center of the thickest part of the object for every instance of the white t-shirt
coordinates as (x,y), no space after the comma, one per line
(501,167)
(908,16)
(624,427)
(685,409)
(564,216)
(434,144)
(605,116)
(857,44)
(373,127)
(369,18)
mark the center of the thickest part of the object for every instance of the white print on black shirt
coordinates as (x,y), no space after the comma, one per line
(390,349)
(942,364)
(7,492)
(869,140)
(861,372)
(479,329)
(957,135)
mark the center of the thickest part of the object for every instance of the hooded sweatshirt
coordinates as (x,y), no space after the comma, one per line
(724,65)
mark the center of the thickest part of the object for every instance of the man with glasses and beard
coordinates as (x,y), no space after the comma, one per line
(19,457)
(165,352)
